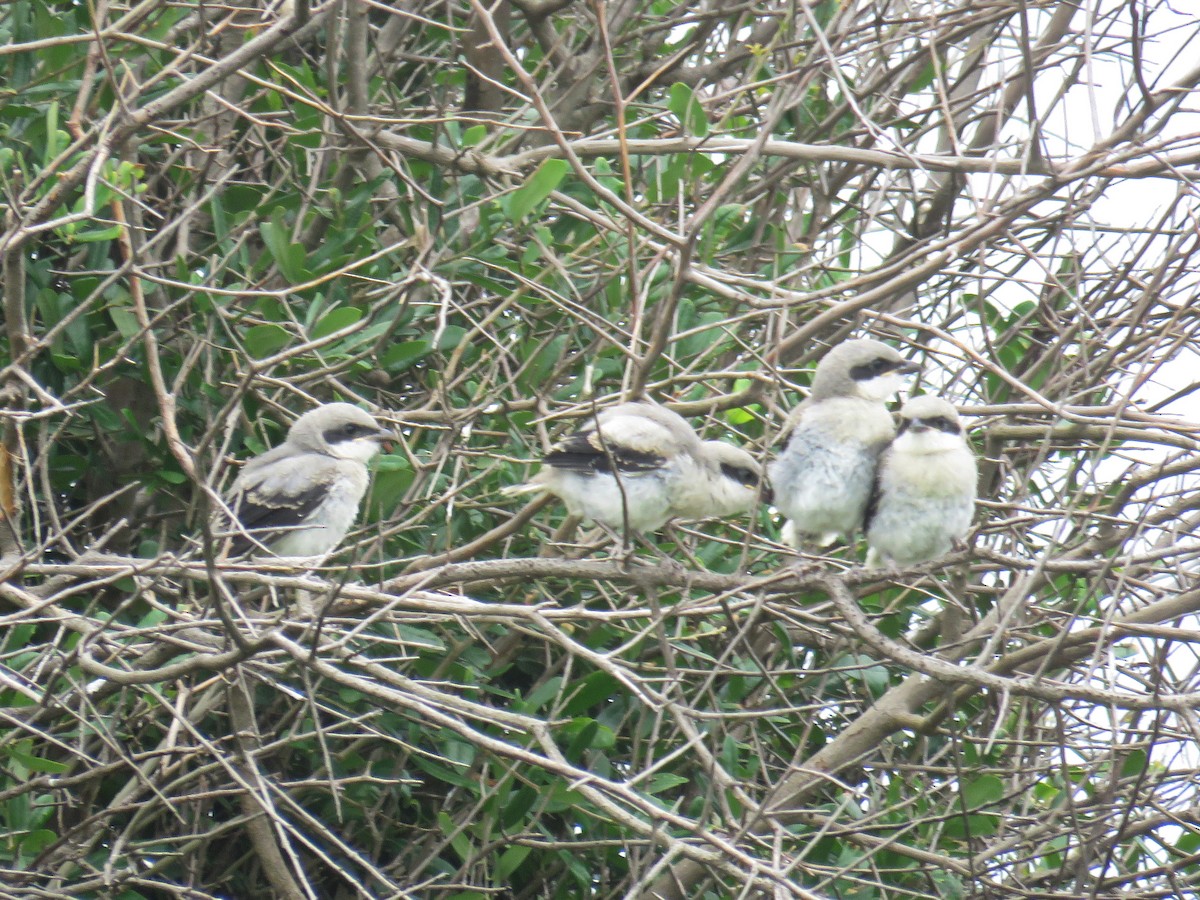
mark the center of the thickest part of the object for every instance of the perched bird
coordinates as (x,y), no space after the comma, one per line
(925,488)
(731,484)
(822,479)
(638,464)
(299,499)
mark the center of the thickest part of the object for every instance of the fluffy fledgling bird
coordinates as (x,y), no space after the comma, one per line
(638,464)
(730,484)
(925,488)
(299,499)
(823,478)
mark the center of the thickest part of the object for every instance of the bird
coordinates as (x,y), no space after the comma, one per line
(636,465)
(299,499)
(925,487)
(823,478)
(730,484)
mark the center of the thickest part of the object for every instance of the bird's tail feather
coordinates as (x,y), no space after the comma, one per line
(517,490)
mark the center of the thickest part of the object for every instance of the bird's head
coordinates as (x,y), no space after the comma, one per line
(930,424)
(863,368)
(741,478)
(341,430)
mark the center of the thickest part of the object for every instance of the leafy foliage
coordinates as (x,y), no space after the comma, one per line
(485,223)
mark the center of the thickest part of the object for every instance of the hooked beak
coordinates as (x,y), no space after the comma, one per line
(908,368)
(767,493)
(387,439)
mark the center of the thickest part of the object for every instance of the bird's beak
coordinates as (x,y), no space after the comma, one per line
(909,368)
(767,493)
(387,439)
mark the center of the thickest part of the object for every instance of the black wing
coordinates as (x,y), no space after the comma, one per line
(873,499)
(583,451)
(264,515)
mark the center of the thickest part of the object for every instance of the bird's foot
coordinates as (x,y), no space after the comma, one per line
(804,568)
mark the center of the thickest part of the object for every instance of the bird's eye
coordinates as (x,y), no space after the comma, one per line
(351,430)
(941,423)
(945,424)
(740,474)
(873,369)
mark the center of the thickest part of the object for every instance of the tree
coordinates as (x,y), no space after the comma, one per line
(487,222)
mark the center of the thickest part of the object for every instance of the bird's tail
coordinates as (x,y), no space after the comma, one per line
(517,490)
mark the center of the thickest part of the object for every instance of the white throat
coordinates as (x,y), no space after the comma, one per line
(361,449)
(930,441)
(882,387)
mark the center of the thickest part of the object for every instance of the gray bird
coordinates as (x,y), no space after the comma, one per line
(925,488)
(823,478)
(639,464)
(299,499)
(731,484)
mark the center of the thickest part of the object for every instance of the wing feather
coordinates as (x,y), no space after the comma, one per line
(623,438)
(271,499)
(585,451)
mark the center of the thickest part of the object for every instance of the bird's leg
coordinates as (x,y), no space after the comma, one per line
(562,536)
(629,545)
(805,567)
(826,540)
(670,562)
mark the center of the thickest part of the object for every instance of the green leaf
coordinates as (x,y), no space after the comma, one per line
(924,78)
(288,257)
(742,414)
(153,617)
(52,132)
(966,827)
(587,692)
(36,841)
(17,636)
(1188,843)
(509,860)
(664,781)
(709,337)
(102,234)
(539,186)
(458,840)
(401,356)
(420,637)
(387,489)
(125,320)
(451,337)
(539,368)
(36,763)
(688,109)
(263,340)
(542,694)
(563,798)
(518,805)
(336,320)
(983,790)
(1134,764)
(949,886)
(390,462)
(589,735)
